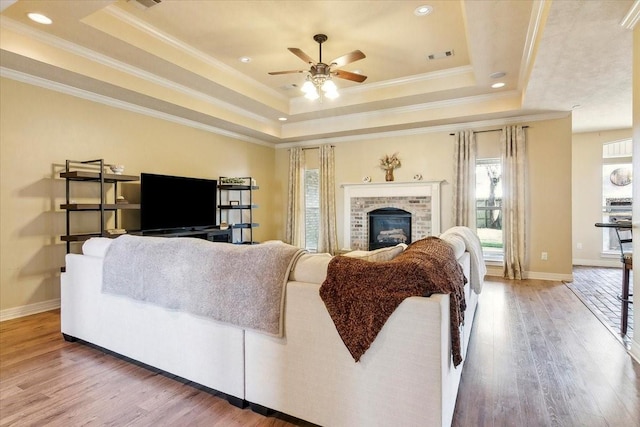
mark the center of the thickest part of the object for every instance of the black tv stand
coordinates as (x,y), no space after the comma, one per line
(213,234)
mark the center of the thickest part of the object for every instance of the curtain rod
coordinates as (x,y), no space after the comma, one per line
(489,130)
(311,148)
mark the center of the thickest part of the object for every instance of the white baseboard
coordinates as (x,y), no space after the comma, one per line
(26,310)
(598,262)
(635,350)
(494,270)
(556,277)
(497,271)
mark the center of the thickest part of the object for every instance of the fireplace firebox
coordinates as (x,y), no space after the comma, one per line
(388,227)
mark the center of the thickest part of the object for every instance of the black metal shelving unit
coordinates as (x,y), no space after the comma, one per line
(92,171)
(236,206)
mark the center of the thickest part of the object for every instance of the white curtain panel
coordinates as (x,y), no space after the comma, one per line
(464,185)
(295,206)
(513,199)
(328,235)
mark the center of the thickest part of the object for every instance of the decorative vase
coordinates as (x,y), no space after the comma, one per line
(389,175)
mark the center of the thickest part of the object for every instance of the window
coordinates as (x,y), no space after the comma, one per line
(617,194)
(311,208)
(489,207)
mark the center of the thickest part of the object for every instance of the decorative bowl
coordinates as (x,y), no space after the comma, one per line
(117,169)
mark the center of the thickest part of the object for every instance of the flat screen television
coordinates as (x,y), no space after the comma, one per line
(176,202)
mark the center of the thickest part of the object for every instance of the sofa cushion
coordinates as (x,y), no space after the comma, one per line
(382,254)
(311,268)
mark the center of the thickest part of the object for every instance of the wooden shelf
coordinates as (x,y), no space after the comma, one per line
(237,187)
(95,176)
(80,237)
(96,206)
(245,225)
(237,206)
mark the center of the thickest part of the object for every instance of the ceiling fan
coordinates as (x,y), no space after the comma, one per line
(320,73)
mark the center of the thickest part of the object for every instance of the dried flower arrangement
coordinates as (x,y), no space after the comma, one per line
(390,162)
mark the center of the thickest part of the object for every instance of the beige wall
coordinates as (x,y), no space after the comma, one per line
(40,128)
(586,179)
(635,346)
(431,154)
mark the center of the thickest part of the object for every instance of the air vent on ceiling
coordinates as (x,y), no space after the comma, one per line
(440,55)
(145,4)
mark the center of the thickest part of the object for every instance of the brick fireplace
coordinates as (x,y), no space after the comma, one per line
(421,199)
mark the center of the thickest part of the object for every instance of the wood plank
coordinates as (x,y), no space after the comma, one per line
(536,357)
(569,369)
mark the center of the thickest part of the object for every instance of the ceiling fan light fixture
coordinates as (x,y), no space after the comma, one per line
(312,95)
(308,87)
(318,83)
(329,86)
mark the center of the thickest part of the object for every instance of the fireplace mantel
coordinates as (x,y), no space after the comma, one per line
(390,190)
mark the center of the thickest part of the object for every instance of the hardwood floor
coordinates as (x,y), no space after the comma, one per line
(537,357)
(45,380)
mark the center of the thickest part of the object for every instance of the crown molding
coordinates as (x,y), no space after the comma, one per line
(539,13)
(6,3)
(107,61)
(454,127)
(365,117)
(632,17)
(298,103)
(409,80)
(105,100)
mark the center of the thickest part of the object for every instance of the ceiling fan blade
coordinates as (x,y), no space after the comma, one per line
(354,56)
(274,73)
(347,75)
(300,54)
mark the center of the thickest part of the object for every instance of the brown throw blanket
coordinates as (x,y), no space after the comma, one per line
(361,295)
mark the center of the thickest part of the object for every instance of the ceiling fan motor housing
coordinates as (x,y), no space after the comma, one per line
(320,69)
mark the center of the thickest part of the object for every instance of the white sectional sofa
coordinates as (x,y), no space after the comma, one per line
(195,348)
(405,378)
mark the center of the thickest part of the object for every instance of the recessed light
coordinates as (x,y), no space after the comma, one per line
(39,18)
(497,85)
(244,59)
(497,75)
(423,10)
(282,119)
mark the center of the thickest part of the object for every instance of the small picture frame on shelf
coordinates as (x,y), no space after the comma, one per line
(234,203)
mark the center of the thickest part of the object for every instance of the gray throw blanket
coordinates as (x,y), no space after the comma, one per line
(243,285)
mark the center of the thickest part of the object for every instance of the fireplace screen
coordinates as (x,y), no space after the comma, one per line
(388,227)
